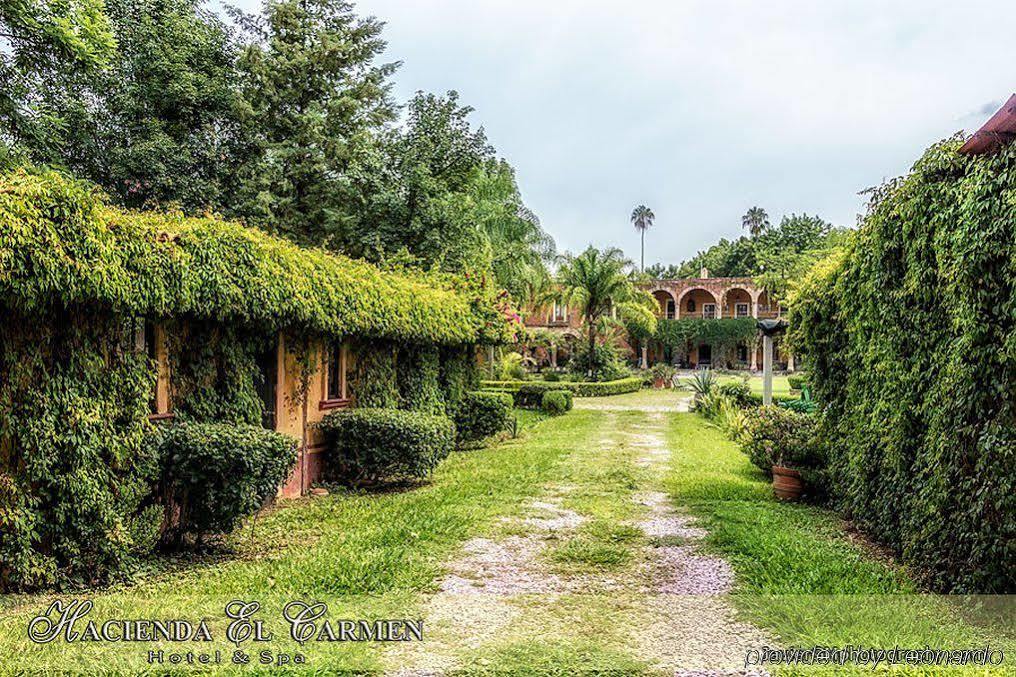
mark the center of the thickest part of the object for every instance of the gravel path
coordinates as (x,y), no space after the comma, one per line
(680,619)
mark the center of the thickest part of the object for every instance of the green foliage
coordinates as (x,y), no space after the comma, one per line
(314,60)
(639,320)
(45,40)
(60,244)
(215,372)
(556,402)
(419,377)
(214,474)
(594,282)
(458,374)
(701,383)
(723,334)
(665,372)
(775,436)
(530,393)
(374,383)
(369,445)
(797,381)
(738,391)
(511,366)
(142,126)
(909,335)
(74,478)
(604,363)
(805,405)
(482,414)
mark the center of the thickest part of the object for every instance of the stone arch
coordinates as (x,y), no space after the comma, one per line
(733,297)
(691,300)
(664,298)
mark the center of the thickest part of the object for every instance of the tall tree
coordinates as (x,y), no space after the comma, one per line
(46,40)
(161,124)
(594,282)
(317,99)
(422,185)
(755,221)
(642,216)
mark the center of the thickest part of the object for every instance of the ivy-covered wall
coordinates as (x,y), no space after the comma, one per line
(79,279)
(75,480)
(910,336)
(59,243)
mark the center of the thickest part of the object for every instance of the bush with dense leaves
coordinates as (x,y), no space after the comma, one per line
(214,475)
(530,393)
(738,391)
(482,414)
(909,335)
(603,364)
(776,436)
(797,381)
(556,402)
(365,446)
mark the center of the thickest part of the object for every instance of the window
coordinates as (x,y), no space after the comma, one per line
(741,310)
(335,386)
(671,308)
(691,305)
(560,313)
(708,310)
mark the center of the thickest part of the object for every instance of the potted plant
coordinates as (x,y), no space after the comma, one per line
(787,482)
(663,375)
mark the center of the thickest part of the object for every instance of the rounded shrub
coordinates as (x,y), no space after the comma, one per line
(481,414)
(556,402)
(214,475)
(366,446)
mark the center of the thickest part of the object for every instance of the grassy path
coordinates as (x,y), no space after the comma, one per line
(626,538)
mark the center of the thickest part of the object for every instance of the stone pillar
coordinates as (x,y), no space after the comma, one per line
(754,356)
(754,307)
(553,356)
(645,360)
(790,361)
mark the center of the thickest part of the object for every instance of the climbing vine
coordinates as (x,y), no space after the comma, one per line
(910,337)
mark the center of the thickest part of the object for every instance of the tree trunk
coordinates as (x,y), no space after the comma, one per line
(592,344)
(643,251)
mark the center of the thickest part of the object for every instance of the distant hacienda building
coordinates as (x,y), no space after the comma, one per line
(701,298)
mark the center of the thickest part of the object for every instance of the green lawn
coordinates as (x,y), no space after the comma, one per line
(367,555)
(378,555)
(797,572)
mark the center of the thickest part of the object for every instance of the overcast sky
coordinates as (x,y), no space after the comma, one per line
(702,109)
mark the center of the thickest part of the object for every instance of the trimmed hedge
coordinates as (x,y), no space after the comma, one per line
(530,393)
(214,475)
(909,335)
(556,402)
(60,244)
(482,414)
(370,445)
(797,381)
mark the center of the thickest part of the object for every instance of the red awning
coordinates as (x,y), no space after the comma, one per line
(996,132)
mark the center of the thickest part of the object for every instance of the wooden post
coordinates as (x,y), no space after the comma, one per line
(767,370)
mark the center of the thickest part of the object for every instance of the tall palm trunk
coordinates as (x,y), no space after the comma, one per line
(643,250)
(592,344)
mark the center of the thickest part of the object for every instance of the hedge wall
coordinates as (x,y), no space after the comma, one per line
(910,338)
(530,393)
(60,244)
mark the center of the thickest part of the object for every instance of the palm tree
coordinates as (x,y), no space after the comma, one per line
(755,220)
(594,282)
(642,216)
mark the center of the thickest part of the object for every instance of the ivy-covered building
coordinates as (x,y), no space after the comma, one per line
(114,321)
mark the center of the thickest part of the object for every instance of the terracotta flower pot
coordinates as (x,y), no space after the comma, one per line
(658,383)
(787,484)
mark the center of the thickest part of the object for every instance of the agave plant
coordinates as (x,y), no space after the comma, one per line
(702,383)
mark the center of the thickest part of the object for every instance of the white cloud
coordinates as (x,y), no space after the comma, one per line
(702,109)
